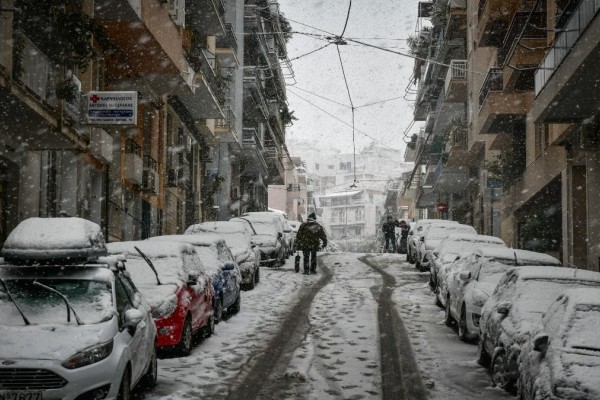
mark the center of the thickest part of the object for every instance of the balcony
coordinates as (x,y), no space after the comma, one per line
(206,17)
(227,48)
(456,82)
(225,127)
(253,151)
(533,35)
(580,19)
(457,19)
(274,164)
(499,110)
(494,19)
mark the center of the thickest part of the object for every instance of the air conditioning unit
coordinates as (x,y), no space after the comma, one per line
(150,181)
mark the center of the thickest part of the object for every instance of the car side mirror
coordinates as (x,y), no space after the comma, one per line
(436,254)
(192,279)
(287,230)
(422,238)
(279,234)
(228,266)
(132,319)
(503,308)
(465,275)
(540,342)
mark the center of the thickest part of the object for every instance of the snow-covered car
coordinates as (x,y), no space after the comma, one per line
(269,241)
(474,277)
(414,236)
(432,237)
(219,264)
(247,255)
(280,222)
(452,247)
(562,358)
(170,277)
(74,326)
(516,306)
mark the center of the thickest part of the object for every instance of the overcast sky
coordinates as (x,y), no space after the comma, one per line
(373,75)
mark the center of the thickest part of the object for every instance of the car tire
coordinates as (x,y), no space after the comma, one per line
(463,331)
(235,307)
(483,358)
(448,320)
(151,376)
(257,275)
(184,348)
(209,328)
(218,311)
(500,373)
(125,386)
(250,285)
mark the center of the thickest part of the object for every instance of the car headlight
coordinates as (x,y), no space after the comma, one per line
(166,308)
(88,356)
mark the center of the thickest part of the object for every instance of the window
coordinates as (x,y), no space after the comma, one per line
(542,138)
(358,215)
(330,166)
(317,166)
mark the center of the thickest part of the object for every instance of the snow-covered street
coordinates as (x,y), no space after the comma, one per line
(319,336)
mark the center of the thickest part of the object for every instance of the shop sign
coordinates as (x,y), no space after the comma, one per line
(111,108)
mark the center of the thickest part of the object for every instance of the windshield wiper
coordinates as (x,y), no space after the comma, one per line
(250,223)
(67,303)
(149,263)
(12,299)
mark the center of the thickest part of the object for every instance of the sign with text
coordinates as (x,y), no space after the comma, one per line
(111,108)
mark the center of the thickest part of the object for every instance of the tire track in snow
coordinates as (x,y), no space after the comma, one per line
(400,374)
(290,335)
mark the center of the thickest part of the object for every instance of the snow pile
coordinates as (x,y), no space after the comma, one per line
(53,238)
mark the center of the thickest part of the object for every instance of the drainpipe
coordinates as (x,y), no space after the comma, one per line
(569,214)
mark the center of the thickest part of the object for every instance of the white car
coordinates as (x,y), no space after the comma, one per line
(516,306)
(247,255)
(268,239)
(414,236)
(474,277)
(562,358)
(281,224)
(432,237)
(452,247)
(70,329)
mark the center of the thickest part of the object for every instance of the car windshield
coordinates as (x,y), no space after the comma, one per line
(492,271)
(583,328)
(264,228)
(91,299)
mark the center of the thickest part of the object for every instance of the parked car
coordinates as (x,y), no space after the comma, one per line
(73,326)
(269,241)
(414,236)
(170,277)
(452,247)
(432,237)
(280,222)
(247,255)
(562,358)
(516,306)
(219,264)
(472,279)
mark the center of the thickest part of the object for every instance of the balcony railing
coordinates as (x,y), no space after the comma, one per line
(565,41)
(533,30)
(229,121)
(250,139)
(39,74)
(229,40)
(271,152)
(493,82)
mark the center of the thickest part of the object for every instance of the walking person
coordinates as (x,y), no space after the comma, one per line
(389,231)
(404,229)
(310,238)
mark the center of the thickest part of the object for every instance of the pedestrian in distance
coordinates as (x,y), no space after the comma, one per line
(404,230)
(389,232)
(310,238)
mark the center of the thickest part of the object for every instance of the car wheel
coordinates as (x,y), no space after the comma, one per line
(501,372)
(125,386)
(250,285)
(184,347)
(151,376)
(483,358)
(463,331)
(218,312)
(448,320)
(235,308)
(209,328)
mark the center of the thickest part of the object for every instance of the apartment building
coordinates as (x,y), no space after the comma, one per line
(524,165)
(173,158)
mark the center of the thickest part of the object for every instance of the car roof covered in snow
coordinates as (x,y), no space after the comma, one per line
(523,257)
(37,239)
(197,239)
(545,273)
(218,227)
(442,231)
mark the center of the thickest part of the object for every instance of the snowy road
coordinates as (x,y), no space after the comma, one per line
(365,327)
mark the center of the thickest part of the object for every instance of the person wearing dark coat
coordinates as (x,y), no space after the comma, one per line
(310,238)
(389,231)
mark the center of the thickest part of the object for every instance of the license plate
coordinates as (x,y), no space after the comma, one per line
(20,395)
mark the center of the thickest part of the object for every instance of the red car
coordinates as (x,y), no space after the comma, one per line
(169,276)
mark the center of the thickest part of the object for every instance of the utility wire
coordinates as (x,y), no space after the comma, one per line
(322,97)
(351,108)
(347,19)
(342,121)
(311,52)
(379,102)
